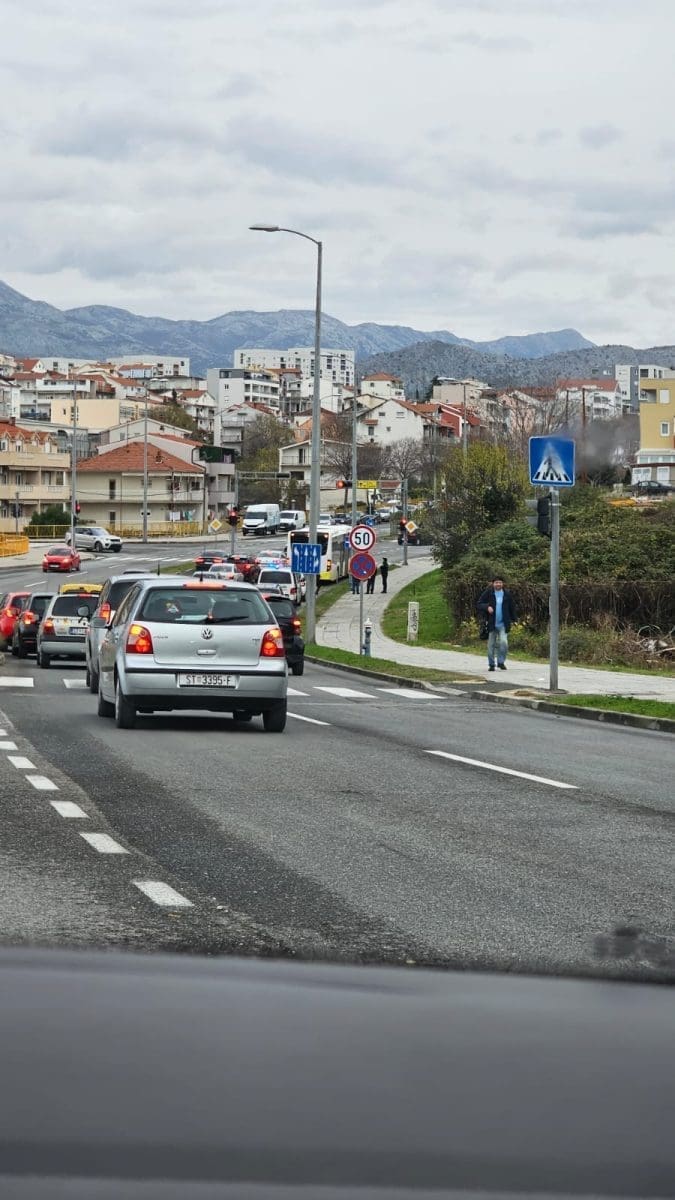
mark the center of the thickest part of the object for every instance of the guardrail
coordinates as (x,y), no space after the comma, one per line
(11,543)
(56,533)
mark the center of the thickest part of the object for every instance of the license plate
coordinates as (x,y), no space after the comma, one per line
(207,679)
(76,630)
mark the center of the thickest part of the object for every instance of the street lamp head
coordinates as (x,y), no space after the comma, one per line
(265,228)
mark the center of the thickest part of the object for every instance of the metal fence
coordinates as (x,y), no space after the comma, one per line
(156,529)
(11,543)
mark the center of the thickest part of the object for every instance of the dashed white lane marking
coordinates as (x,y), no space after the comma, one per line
(66,808)
(22,764)
(310,720)
(8,746)
(41,783)
(75,683)
(17,681)
(161,893)
(346,693)
(409,693)
(476,762)
(103,843)
(296,692)
(3,733)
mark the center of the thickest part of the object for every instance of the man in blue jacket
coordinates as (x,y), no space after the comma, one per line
(496,603)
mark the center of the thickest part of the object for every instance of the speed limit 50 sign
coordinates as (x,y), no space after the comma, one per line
(362,537)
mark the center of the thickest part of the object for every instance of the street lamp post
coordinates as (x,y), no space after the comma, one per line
(315,472)
(145,467)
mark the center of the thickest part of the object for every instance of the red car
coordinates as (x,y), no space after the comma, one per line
(243,562)
(11,605)
(61,558)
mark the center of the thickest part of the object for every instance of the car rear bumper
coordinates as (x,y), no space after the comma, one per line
(158,688)
(72,646)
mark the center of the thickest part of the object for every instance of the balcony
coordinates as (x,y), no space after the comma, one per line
(58,460)
(8,491)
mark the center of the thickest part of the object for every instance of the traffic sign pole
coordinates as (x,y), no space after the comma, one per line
(361,618)
(554,597)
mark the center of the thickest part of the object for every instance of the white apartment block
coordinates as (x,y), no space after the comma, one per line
(236,385)
(458,391)
(591,399)
(386,387)
(629,377)
(337,365)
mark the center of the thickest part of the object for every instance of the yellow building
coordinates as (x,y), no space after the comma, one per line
(655,460)
(34,474)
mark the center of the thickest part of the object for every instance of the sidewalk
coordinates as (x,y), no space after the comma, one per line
(340,628)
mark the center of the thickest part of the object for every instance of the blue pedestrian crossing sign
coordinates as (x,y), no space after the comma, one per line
(552,462)
(306,558)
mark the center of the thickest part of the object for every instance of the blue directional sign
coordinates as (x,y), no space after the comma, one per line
(306,558)
(552,462)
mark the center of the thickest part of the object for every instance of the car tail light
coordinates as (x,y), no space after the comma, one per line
(105,612)
(48,624)
(272,644)
(297,624)
(28,618)
(139,640)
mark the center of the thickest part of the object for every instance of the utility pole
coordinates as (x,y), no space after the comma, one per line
(355,465)
(16,512)
(465,427)
(145,468)
(554,597)
(73,469)
(404,514)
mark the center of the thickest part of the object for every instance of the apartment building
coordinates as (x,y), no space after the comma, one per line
(110,486)
(385,387)
(238,385)
(590,399)
(34,473)
(337,365)
(629,377)
(655,460)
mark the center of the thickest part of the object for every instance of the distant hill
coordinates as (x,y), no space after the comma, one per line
(98,331)
(417,365)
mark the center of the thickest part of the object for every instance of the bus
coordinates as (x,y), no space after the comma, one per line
(335,551)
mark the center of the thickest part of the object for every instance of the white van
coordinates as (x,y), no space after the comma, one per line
(292,518)
(261,519)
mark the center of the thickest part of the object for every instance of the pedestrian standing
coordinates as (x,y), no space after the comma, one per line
(370,586)
(384,574)
(496,604)
(355,585)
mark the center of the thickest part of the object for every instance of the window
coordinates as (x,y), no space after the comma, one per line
(665,428)
(664,396)
(112,518)
(112,489)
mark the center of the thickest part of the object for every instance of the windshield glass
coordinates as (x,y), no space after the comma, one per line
(68,606)
(186,606)
(56,550)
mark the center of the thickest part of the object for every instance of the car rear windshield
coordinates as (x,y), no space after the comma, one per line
(281,606)
(59,550)
(67,606)
(38,604)
(118,591)
(203,605)
(271,576)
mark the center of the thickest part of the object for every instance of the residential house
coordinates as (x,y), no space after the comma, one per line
(629,377)
(655,460)
(459,392)
(34,474)
(110,485)
(384,387)
(590,399)
(234,385)
(336,365)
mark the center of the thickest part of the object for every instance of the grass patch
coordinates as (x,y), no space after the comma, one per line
(184,568)
(626,704)
(434,628)
(385,666)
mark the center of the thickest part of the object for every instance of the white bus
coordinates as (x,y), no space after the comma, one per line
(334,549)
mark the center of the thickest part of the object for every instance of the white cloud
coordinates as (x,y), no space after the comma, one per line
(479,165)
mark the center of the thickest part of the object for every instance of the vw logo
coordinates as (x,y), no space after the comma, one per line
(207,633)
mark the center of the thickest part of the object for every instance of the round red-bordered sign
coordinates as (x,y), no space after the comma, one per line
(362,566)
(362,537)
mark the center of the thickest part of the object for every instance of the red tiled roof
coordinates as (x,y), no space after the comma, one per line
(604,384)
(380,375)
(173,437)
(9,430)
(129,457)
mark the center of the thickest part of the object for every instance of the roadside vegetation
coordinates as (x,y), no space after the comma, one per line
(384,666)
(625,704)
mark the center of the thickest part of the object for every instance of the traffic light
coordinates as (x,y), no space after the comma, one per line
(77,508)
(544,516)
(343,483)
(402,525)
(233,515)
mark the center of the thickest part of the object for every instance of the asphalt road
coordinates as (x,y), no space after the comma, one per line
(385,824)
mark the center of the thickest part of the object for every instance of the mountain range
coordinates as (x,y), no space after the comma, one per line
(31,327)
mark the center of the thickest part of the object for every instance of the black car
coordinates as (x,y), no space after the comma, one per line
(24,638)
(208,557)
(652,487)
(286,616)
(414,539)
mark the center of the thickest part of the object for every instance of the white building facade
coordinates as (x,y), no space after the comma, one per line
(337,365)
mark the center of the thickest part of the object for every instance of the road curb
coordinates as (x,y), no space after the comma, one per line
(402,680)
(633,720)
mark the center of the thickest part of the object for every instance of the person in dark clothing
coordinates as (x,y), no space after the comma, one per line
(496,604)
(384,573)
(370,586)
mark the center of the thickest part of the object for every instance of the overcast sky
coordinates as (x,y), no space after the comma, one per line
(484,166)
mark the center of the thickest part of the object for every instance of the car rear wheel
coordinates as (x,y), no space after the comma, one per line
(21,651)
(125,713)
(241,716)
(105,708)
(43,660)
(274,719)
(15,648)
(298,668)
(92,681)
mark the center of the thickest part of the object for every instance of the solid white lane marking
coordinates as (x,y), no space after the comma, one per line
(75,683)
(161,893)
(23,764)
(103,843)
(17,681)
(8,746)
(310,720)
(41,783)
(346,693)
(295,692)
(476,762)
(66,808)
(409,693)
(3,733)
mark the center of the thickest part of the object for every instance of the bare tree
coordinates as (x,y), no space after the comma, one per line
(405,458)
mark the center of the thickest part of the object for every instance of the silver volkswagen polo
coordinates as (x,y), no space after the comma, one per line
(193,644)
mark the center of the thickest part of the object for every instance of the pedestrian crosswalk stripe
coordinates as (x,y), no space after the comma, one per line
(17,681)
(75,683)
(346,693)
(408,693)
(296,692)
